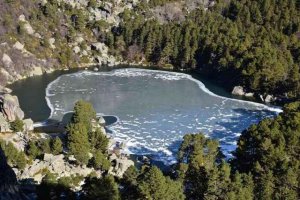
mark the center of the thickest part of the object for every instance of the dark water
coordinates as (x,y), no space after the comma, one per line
(32,92)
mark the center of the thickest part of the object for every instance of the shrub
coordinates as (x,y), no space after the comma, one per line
(33,150)
(14,157)
(56,146)
(17,125)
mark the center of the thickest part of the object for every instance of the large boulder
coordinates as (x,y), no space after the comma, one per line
(269,98)
(18,46)
(10,108)
(27,27)
(121,164)
(100,47)
(238,90)
(101,120)
(28,124)
(4,90)
(76,49)
(6,60)
(52,43)
(36,71)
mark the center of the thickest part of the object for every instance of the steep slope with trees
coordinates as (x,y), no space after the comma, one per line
(250,43)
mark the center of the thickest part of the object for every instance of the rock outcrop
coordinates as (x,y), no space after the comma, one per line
(4,125)
(18,46)
(28,124)
(10,108)
(6,60)
(238,90)
(268,98)
(120,165)
(4,90)
(55,164)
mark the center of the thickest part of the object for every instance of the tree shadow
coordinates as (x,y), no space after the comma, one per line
(55,125)
(9,187)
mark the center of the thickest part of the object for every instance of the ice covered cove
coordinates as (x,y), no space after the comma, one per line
(155,108)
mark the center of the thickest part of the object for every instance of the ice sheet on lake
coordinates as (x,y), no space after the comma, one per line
(156,108)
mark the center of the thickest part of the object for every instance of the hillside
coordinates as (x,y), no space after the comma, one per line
(255,45)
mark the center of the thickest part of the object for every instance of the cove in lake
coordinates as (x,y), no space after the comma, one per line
(155,108)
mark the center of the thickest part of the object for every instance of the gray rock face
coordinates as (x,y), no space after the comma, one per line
(4,125)
(18,46)
(6,60)
(51,42)
(4,90)
(121,165)
(101,120)
(28,28)
(269,98)
(238,90)
(250,94)
(28,124)
(101,47)
(55,164)
(10,108)
(76,49)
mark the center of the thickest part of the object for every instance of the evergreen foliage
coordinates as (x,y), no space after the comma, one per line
(78,142)
(14,157)
(152,184)
(99,161)
(35,149)
(53,187)
(270,152)
(104,188)
(83,113)
(98,141)
(241,43)
(82,139)
(17,125)
(56,146)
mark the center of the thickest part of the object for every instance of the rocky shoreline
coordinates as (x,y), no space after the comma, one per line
(60,164)
(266,98)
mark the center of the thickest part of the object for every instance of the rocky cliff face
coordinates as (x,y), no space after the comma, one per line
(10,107)
(34,41)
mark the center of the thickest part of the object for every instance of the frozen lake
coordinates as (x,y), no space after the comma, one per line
(155,108)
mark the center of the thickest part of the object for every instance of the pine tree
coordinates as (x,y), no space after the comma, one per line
(84,113)
(153,185)
(98,140)
(78,142)
(56,146)
(44,145)
(33,150)
(104,188)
